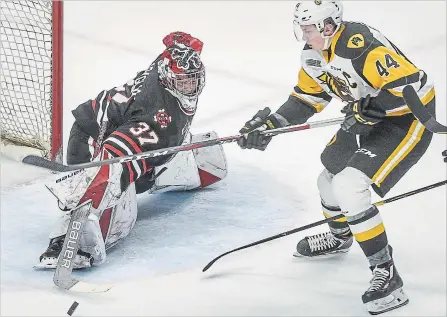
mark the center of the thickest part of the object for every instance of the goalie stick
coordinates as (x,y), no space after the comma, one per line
(54,166)
(420,112)
(63,277)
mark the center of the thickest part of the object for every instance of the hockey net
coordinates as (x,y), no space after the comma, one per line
(31,75)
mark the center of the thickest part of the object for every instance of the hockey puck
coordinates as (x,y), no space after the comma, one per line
(72,308)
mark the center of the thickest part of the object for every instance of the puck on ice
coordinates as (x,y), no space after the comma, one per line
(72,308)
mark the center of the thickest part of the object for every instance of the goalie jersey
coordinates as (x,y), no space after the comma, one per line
(360,61)
(139,116)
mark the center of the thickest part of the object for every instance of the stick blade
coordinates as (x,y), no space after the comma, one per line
(421,112)
(83,287)
(207,266)
(44,163)
(414,103)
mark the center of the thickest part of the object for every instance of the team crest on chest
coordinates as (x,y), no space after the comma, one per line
(338,86)
(162,118)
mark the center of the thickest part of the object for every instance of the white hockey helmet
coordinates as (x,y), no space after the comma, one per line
(318,13)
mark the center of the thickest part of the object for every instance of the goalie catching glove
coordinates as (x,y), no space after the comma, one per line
(261,121)
(361,117)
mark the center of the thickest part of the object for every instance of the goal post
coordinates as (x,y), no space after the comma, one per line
(57,80)
(31,75)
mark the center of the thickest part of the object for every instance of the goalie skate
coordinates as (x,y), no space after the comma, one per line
(48,260)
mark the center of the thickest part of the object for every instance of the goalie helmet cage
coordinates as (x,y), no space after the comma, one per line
(31,63)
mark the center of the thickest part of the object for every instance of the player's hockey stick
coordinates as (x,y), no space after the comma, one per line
(63,277)
(420,112)
(42,162)
(315,224)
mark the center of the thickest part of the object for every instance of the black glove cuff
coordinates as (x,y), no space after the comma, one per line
(275,121)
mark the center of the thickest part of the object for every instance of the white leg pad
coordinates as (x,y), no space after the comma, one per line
(116,222)
(193,169)
(181,174)
(61,225)
(122,218)
(91,240)
(71,186)
(211,161)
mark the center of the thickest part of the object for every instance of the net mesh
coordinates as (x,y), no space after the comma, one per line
(26,72)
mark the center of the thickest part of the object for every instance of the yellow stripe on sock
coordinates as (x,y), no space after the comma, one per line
(370,234)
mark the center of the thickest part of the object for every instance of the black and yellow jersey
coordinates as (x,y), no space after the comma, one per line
(360,61)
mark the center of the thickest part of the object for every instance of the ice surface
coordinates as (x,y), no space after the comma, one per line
(252,60)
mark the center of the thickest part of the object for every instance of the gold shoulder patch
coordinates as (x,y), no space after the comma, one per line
(356,41)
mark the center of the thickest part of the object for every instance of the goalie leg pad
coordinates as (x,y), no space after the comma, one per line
(91,240)
(181,174)
(193,169)
(102,184)
(102,233)
(211,161)
(117,222)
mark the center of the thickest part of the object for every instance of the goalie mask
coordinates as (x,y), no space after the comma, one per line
(182,73)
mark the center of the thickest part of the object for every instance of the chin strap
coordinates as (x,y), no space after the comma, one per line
(327,42)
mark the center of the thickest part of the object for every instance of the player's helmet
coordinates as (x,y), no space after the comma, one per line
(182,73)
(318,13)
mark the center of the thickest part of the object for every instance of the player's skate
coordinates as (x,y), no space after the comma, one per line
(323,244)
(48,259)
(385,291)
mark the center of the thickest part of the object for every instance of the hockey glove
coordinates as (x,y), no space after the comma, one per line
(445,156)
(253,139)
(361,117)
(184,38)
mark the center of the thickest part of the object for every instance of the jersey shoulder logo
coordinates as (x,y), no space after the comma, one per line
(356,41)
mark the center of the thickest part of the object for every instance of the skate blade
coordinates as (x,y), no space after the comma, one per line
(325,255)
(395,300)
(43,266)
(51,265)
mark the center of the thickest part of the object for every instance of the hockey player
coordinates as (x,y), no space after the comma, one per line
(379,140)
(154,110)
